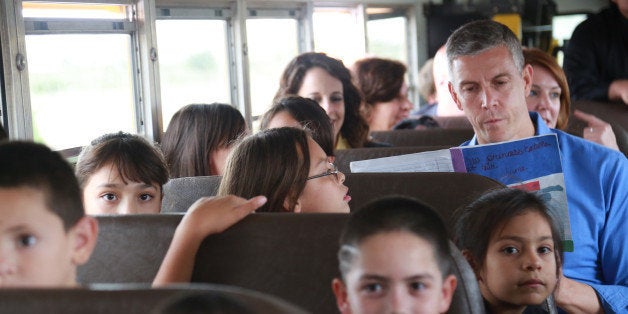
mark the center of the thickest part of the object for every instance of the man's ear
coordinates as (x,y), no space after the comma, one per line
(340,291)
(448,289)
(454,95)
(527,78)
(83,236)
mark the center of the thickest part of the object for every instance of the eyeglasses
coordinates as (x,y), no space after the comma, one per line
(332,170)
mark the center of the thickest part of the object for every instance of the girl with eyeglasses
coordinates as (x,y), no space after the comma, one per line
(276,170)
(288,167)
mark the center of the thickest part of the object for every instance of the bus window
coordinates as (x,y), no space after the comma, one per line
(339,32)
(81,83)
(387,35)
(272,43)
(192,71)
(562,27)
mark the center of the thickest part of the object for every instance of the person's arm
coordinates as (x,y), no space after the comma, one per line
(597,130)
(618,90)
(206,216)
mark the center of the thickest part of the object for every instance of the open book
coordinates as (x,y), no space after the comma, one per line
(532,164)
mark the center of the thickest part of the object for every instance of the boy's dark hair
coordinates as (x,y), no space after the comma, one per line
(395,213)
(25,164)
(134,157)
(477,222)
(309,114)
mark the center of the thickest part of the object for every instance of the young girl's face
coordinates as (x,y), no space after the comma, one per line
(520,265)
(325,193)
(106,193)
(394,272)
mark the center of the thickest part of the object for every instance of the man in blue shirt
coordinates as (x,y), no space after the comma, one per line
(490,82)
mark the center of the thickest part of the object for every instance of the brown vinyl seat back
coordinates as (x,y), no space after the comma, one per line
(180,193)
(289,256)
(615,114)
(444,191)
(453,122)
(346,156)
(129,248)
(427,137)
(294,256)
(133,299)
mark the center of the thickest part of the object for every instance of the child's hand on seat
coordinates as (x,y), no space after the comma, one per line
(210,215)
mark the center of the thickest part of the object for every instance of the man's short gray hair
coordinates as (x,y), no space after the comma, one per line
(477,36)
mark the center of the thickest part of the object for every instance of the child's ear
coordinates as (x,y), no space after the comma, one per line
(449,287)
(297,206)
(340,291)
(83,236)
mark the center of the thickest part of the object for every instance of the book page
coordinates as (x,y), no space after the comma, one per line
(432,161)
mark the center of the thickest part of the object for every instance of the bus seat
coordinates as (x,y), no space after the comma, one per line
(453,122)
(444,191)
(180,193)
(290,256)
(345,156)
(294,257)
(428,137)
(129,248)
(131,299)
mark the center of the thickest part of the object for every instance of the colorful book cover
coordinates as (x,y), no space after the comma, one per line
(532,164)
